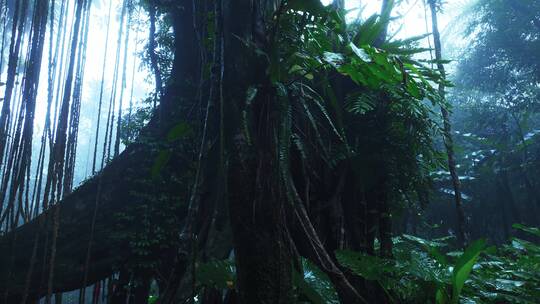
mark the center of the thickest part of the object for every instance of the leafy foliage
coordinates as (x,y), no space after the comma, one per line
(389,97)
(496,118)
(464,266)
(216,274)
(422,271)
(427,271)
(133,123)
(346,99)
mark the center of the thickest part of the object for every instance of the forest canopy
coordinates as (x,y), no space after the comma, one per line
(269,151)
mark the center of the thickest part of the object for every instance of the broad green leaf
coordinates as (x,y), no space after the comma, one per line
(381,75)
(523,245)
(413,89)
(334,59)
(319,282)
(179,131)
(365,27)
(440,296)
(356,75)
(306,289)
(531,230)
(404,42)
(295,68)
(161,161)
(361,53)
(218,274)
(372,28)
(464,266)
(422,266)
(367,266)
(438,256)
(426,243)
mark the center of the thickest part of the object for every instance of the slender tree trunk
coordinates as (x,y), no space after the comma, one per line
(506,204)
(119,292)
(19,18)
(4,20)
(124,80)
(96,292)
(73,132)
(31,87)
(57,161)
(141,290)
(152,53)
(100,103)
(381,198)
(532,194)
(134,66)
(448,141)
(58,298)
(107,145)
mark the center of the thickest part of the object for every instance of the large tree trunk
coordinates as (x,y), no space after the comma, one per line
(256,199)
(120,181)
(260,212)
(126,183)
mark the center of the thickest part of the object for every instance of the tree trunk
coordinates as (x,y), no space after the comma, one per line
(256,203)
(152,53)
(120,288)
(141,289)
(448,141)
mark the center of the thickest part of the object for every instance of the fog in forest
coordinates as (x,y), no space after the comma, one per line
(269,151)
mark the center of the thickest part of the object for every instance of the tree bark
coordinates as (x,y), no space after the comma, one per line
(447,129)
(256,204)
(152,53)
(123,180)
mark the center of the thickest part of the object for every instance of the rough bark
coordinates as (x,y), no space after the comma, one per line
(130,171)
(257,206)
(123,182)
(256,200)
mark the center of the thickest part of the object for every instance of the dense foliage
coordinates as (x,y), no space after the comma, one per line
(424,271)
(286,154)
(495,103)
